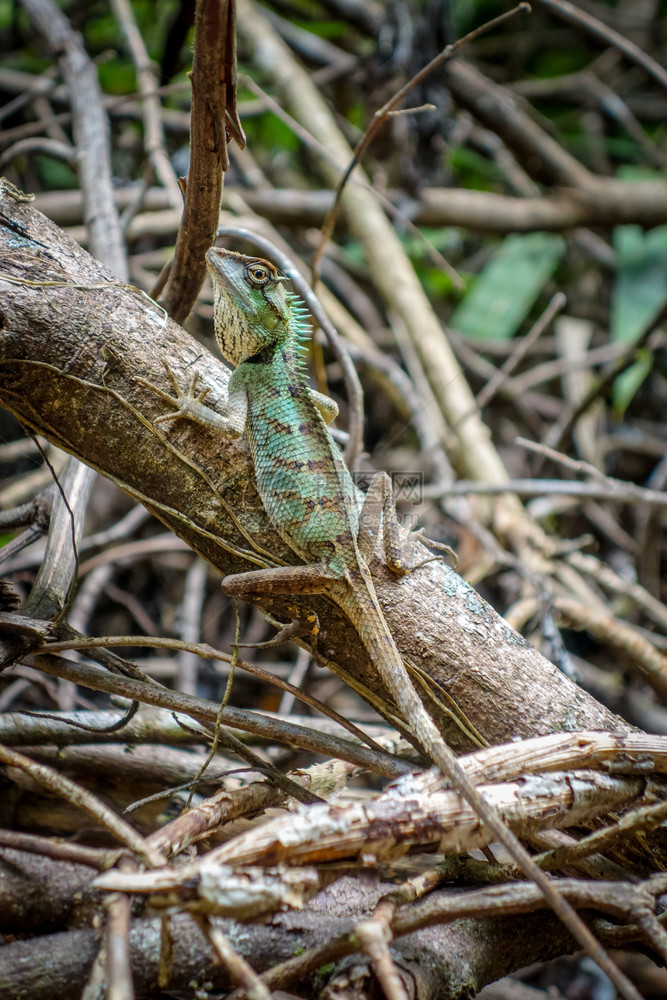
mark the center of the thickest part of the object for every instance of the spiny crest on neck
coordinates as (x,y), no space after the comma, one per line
(254,311)
(300,329)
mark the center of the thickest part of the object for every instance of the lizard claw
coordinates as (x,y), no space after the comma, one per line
(184,403)
(307,628)
(430,543)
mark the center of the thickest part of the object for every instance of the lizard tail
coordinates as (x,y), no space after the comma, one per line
(361,605)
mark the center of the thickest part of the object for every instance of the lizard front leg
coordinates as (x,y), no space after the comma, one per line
(328,407)
(190,405)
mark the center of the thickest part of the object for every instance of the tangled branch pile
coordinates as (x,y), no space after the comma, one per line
(490,251)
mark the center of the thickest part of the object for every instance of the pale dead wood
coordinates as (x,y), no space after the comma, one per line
(386,828)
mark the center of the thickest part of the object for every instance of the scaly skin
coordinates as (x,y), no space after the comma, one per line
(311,501)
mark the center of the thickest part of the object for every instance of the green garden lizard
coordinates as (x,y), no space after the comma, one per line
(312,503)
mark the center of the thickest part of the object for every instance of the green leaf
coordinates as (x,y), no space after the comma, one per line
(54,174)
(640,285)
(628,382)
(6,14)
(634,172)
(638,293)
(476,171)
(506,289)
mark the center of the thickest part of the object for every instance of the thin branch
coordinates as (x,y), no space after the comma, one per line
(210,653)
(239,970)
(150,102)
(382,115)
(608,202)
(321,150)
(601,386)
(77,796)
(524,345)
(275,730)
(614,492)
(119,985)
(213,108)
(625,491)
(76,854)
(634,822)
(619,636)
(582,19)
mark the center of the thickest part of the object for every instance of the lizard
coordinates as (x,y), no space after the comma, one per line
(311,501)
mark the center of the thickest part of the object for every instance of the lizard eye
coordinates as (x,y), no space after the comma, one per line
(258,274)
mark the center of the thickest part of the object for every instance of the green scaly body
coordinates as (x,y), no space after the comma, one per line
(303,483)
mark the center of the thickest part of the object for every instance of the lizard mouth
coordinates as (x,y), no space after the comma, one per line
(214,262)
(250,282)
(226,268)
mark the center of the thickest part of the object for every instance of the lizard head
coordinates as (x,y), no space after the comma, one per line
(251,304)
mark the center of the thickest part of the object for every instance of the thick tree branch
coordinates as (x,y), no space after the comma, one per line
(457,957)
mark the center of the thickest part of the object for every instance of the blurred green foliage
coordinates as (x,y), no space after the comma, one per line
(639,292)
(55,174)
(503,294)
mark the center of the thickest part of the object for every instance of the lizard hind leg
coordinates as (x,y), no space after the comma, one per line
(378,515)
(281,580)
